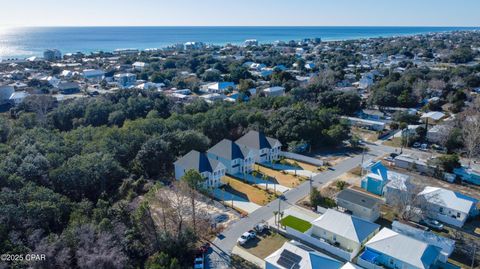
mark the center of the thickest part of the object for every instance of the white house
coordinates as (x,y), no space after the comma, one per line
(433,117)
(438,133)
(398,189)
(236,158)
(151,86)
(309,66)
(220,87)
(193,45)
(213,97)
(366,124)
(53,81)
(210,169)
(446,245)
(295,255)
(336,230)
(139,66)
(359,204)
(17,97)
(389,249)
(251,42)
(52,55)
(274,91)
(265,149)
(411,162)
(125,80)
(448,206)
(93,74)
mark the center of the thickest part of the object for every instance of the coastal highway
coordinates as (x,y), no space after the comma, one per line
(222,246)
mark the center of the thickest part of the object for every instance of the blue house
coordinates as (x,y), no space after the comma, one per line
(468,175)
(390,249)
(376,179)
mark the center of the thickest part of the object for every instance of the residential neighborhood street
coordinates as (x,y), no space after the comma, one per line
(223,244)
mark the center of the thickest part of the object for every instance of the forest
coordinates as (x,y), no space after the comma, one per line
(74,174)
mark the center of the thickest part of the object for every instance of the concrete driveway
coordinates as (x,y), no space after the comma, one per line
(262,183)
(291,169)
(235,201)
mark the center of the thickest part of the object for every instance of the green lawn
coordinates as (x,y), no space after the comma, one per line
(296,223)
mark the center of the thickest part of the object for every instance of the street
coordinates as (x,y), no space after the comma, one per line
(223,245)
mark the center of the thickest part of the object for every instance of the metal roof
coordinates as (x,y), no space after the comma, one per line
(358,198)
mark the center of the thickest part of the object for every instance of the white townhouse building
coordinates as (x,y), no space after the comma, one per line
(266,149)
(210,169)
(237,159)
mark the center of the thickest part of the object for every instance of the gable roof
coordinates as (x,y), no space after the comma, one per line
(257,140)
(434,115)
(347,226)
(227,149)
(221,85)
(294,255)
(404,248)
(198,161)
(68,85)
(448,198)
(358,198)
(446,245)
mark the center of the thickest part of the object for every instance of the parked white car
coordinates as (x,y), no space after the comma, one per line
(246,236)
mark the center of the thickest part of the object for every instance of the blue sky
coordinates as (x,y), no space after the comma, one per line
(240,12)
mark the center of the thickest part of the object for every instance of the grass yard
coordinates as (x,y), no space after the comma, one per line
(247,191)
(366,135)
(395,142)
(265,244)
(286,180)
(296,223)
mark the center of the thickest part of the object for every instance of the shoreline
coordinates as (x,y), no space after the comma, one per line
(24,52)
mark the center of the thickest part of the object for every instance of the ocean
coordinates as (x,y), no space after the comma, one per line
(32,41)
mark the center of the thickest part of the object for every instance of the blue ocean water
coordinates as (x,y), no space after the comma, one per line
(26,42)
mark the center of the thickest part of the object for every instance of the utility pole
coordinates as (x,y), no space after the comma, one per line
(278,221)
(402,142)
(275,185)
(311,183)
(361,164)
(473,257)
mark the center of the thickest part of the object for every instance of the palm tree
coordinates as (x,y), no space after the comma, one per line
(265,177)
(275,213)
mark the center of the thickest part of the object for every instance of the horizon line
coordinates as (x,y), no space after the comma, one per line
(234,26)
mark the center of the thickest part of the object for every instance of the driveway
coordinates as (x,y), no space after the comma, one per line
(235,201)
(262,183)
(291,169)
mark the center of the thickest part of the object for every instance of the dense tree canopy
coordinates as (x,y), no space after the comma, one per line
(70,173)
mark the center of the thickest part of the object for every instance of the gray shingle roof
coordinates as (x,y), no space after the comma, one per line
(197,161)
(358,198)
(227,149)
(257,140)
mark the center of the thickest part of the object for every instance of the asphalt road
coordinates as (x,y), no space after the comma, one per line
(222,246)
